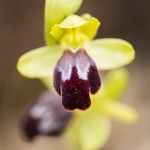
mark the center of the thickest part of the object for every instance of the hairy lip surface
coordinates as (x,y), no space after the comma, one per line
(75,75)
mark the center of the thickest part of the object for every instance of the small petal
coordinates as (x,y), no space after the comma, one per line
(73,79)
(72,21)
(92,24)
(39,63)
(45,117)
(74,31)
(110,53)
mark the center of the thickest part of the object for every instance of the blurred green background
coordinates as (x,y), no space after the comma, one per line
(21,29)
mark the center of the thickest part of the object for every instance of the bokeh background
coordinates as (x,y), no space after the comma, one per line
(21,29)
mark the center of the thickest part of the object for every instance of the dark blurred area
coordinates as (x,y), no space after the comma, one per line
(21,30)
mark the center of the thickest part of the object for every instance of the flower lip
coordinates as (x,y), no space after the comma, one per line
(45,117)
(75,92)
(75,75)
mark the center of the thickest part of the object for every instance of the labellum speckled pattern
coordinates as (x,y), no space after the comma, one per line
(46,117)
(75,75)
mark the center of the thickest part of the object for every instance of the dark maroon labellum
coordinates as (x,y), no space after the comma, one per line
(45,117)
(75,75)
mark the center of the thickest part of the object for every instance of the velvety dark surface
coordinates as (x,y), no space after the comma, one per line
(75,76)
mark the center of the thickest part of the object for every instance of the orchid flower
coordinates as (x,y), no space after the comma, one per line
(72,58)
(70,64)
(45,117)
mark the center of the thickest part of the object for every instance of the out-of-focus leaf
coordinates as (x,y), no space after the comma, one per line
(93,132)
(118,111)
(110,53)
(90,132)
(55,12)
(116,83)
(39,63)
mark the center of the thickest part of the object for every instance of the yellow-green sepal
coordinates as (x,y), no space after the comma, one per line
(40,62)
(110,53)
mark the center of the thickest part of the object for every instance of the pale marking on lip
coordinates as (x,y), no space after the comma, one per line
(46,123)
(83,73)
(37,112)
(65,74)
